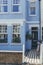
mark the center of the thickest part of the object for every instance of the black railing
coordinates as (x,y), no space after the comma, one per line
(14,63)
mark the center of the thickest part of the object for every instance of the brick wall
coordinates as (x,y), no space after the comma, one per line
(10,57)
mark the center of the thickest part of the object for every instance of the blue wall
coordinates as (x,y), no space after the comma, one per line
(9,15)
(24,14)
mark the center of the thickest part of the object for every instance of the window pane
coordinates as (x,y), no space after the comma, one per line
(3,38)
(16,28)
(15,8)
(13,1)
(16,1)
(3,28)
(32,10)
(5,2)
(32,4)
(16,38)
(5,9)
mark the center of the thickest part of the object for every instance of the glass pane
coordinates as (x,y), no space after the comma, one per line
(32,3)
(15,8)
(32,10)
(16,28)
(5,2)
(3,38)
(16,1)
(34,28)
(13,1)
(5,9)
(16,38)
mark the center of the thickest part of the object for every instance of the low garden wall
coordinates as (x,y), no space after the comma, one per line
(7,57)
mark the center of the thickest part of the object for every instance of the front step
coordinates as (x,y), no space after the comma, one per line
(32,57)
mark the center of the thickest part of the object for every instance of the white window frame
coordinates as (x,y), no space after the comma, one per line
(19,4)
(2,4)
(32,6)
(3,32)
(13,43)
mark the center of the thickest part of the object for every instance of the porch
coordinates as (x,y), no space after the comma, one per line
(32,57)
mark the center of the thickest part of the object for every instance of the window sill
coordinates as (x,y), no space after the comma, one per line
(16,43)
(3,43)
(15,12)
(32,15)
(4,12)
(10,12)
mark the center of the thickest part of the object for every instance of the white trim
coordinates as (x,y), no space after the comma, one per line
(9,21)
(32,15)
(3,44)
(11,51)
(32,22)
(23,53)
(15,12)
(31,0)
(16,44)
(33,25)
(4,12)
(3,33)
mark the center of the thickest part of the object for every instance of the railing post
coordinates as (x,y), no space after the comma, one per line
(41,53)
(23,51)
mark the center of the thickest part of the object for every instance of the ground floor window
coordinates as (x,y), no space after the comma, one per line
(3,34)
(16,34)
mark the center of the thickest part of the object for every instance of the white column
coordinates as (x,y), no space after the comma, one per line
(23,52)
(41,54)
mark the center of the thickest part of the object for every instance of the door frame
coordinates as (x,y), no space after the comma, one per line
(34,40)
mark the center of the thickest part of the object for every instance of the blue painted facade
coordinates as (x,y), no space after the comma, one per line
(27,20)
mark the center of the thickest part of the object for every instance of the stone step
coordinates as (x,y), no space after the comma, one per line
(32,57)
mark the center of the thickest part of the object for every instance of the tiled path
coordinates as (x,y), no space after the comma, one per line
(32,57)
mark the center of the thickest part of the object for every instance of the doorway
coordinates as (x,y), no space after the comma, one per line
(34,37)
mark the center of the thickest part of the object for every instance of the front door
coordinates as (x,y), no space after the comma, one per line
(34,37)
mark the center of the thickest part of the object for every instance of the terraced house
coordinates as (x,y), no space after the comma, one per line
(17,17)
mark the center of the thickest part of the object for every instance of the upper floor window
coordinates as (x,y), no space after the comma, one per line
(3,34)
(3,5)
(32,7)
(5,2)
(15,5)
(16,34)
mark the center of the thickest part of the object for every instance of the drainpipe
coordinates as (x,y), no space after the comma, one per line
(40,20)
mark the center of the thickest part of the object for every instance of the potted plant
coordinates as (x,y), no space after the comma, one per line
(16,40)
(28,40)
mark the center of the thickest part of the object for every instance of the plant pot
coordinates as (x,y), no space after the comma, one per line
(28,45)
